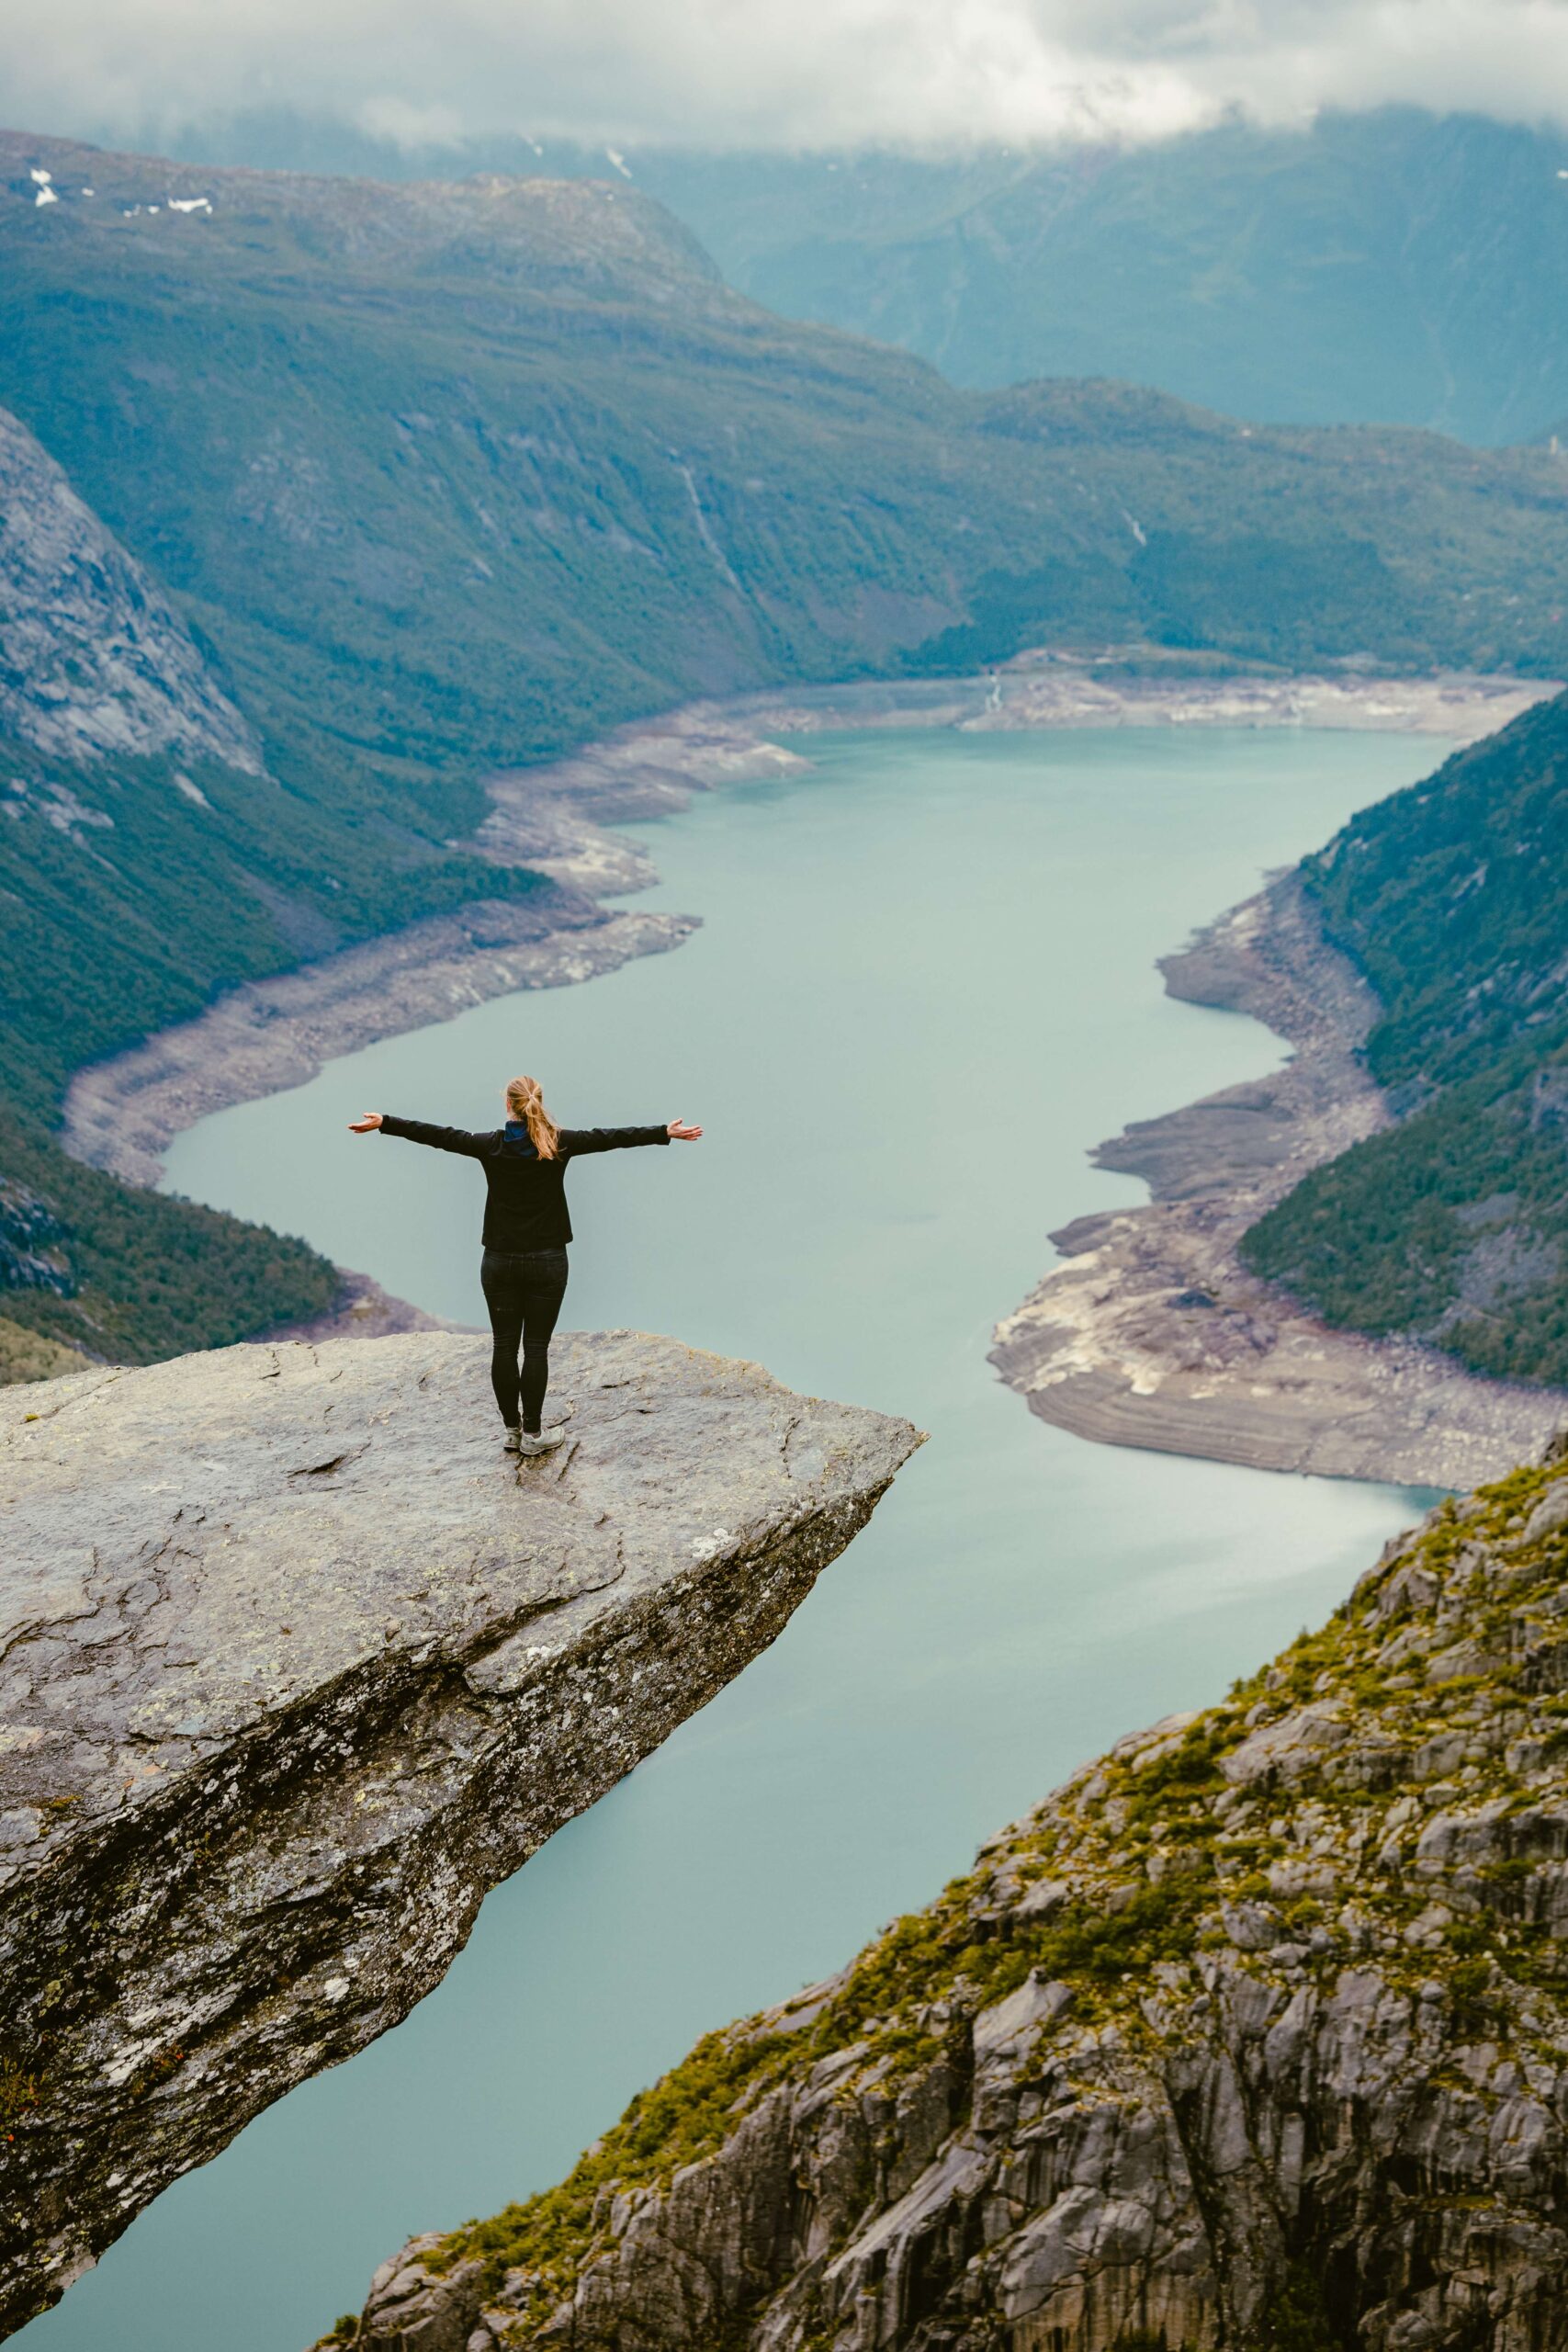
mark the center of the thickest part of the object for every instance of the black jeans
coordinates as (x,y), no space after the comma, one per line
(522,1290)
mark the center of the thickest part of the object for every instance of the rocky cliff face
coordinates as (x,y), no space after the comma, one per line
(297,1663)
(94,659)
(1256,2034)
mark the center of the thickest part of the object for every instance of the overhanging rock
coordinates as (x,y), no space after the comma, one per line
(297,1664)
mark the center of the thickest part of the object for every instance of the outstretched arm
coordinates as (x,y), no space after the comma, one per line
(574,1141)
(419,1131)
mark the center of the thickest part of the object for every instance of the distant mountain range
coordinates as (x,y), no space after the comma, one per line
(322,497)
(1383,267)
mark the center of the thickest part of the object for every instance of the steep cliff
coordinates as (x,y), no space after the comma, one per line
(92,656)
(1255,2034)
(298,1664)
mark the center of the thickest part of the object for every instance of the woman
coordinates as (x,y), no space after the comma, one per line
(527,1229)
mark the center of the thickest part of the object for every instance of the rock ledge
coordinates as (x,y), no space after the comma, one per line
(298,1664)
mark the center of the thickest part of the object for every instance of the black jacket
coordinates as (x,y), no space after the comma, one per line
(525,1208)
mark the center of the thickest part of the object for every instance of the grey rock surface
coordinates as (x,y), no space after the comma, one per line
(297,1663)
(1253,2036)
(93,658)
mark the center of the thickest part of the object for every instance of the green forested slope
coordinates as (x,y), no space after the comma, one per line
(126,904)
(1454,1225)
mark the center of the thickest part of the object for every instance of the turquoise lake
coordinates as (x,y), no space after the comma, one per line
(923,989)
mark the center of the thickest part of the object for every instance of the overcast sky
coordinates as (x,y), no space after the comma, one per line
(778,72)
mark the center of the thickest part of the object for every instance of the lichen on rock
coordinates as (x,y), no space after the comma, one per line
(1255,2034)
(297,1663)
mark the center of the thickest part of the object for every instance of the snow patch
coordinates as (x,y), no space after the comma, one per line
(189,204)
(64,812)
(46,196)
(40,179)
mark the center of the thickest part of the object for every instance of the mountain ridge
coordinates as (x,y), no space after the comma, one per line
(1386,264)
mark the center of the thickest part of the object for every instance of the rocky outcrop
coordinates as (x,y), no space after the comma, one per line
(93,658)
(1255,2034)
(298,1664)
(1154,1333)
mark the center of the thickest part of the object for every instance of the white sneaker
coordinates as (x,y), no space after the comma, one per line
(546,1442)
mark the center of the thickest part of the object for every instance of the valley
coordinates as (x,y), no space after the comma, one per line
(371,558)
(391,489)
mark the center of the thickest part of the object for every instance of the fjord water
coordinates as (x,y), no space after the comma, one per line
(924,987)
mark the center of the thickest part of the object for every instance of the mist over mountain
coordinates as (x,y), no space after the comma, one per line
(1391,266)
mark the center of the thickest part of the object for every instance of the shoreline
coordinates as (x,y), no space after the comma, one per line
(269,1035)
(1153,1334)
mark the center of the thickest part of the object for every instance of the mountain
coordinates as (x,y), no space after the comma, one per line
(1254,2034)
(327,497)
(449,475)
(1453,1224)
(1387,266)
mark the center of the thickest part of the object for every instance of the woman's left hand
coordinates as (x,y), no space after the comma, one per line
(683,1131)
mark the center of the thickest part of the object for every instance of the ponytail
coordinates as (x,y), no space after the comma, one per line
(525,1101)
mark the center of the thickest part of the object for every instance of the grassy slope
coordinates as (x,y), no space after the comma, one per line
(1454,1225)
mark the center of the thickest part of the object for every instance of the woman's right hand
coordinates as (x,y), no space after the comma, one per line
(366,1125)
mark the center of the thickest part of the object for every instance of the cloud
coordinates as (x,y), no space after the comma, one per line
(812,73)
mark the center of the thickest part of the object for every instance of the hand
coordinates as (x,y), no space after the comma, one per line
(683,1131)
(364,1126)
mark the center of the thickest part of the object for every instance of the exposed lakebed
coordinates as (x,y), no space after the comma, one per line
(923,988)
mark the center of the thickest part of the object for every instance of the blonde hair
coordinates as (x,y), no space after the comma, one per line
(526,1101)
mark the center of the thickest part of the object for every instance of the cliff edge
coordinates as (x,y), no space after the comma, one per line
(298,1664)
(1255,2034)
